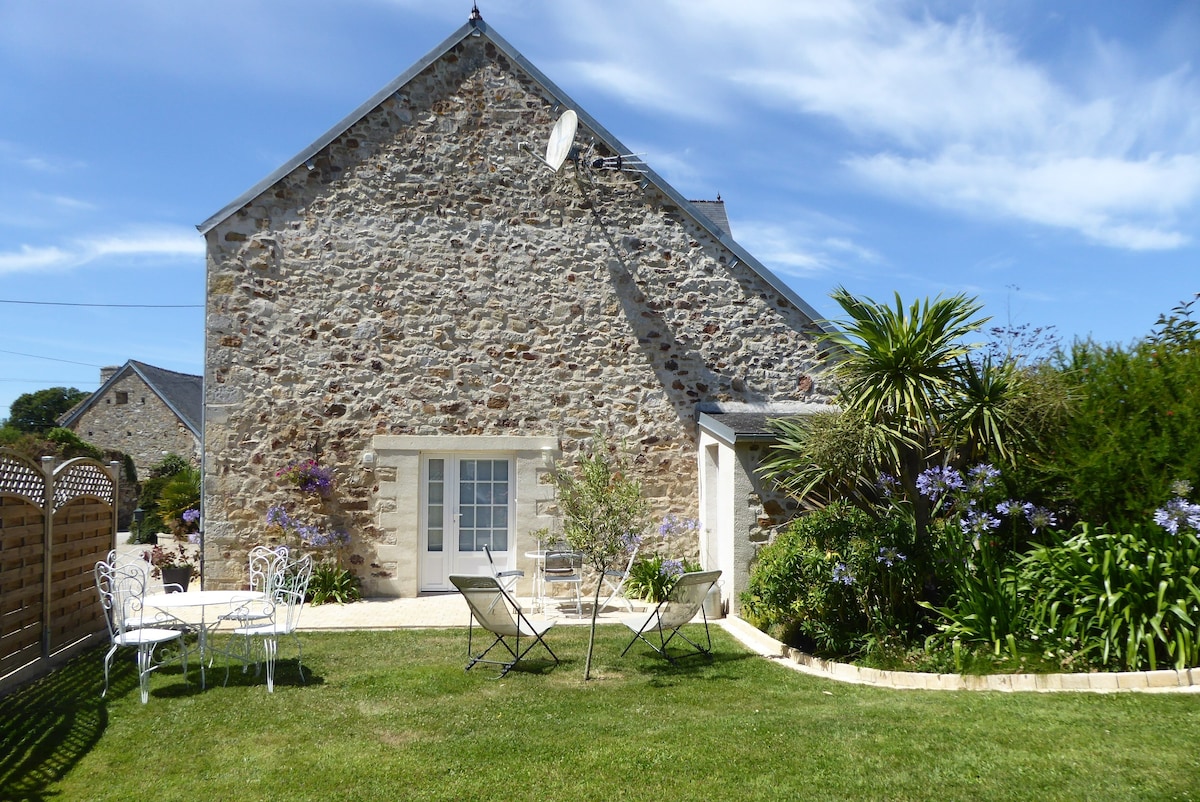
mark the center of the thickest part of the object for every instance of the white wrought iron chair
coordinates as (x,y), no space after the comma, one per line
(668,618)
(128,561)
(498,613)
(564,568)
(122,591)
(275,616)
(615,580)
(266,564)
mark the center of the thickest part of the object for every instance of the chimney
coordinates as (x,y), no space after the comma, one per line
(107,373)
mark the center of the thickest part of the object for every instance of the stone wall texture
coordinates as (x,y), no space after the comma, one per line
(132,418)
(424,275)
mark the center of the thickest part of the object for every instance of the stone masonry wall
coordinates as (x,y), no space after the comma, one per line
(428,276)
(143,427)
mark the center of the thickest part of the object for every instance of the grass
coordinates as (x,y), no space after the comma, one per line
(392,715)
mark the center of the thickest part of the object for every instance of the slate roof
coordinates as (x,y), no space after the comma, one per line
(714,211)
(183,393)
(741,422)
(554,95)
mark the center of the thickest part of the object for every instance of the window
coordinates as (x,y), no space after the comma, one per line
(122,397)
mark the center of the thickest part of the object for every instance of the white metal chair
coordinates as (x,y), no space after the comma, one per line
(266,564)
(506,578)
(275,616)
(564,568)
(122,591)
(615,581)
(140,618)
(667,619)
(498,613)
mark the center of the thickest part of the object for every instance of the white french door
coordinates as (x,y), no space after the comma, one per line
(466,504)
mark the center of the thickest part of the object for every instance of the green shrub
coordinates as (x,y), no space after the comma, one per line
(835,580)
(1128,600)
(651,578)
(332,584)
(1135,427)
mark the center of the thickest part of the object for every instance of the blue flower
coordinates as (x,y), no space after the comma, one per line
(190,516)
(889,556)
(842,574)
(982,477)
(978,522)
(933,483)
(1177,514)
(1039,517)
(888,485)
(671,568)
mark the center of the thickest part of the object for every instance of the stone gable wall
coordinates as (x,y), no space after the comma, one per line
(427,276)
(144,427)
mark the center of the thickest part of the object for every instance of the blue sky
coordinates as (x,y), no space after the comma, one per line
(1043,156)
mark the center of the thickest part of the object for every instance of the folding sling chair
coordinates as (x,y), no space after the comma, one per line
(498,613)
(667,619)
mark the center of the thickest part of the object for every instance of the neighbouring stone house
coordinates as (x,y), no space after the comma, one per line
(420,303)
(144,411)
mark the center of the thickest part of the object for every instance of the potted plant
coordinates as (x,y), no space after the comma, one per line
(173,563)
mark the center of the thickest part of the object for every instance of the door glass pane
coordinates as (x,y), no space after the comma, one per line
(483,504)
(434,509)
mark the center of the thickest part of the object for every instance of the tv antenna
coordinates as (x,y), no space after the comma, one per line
(561,142)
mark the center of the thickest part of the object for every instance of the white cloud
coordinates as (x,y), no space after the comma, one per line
(790,250)
(1115,202)
(944,108)
(167,244)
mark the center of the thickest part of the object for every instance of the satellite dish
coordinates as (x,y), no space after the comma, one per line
(562,137)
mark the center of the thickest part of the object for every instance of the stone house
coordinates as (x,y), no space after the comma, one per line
(144,411)
(419,302)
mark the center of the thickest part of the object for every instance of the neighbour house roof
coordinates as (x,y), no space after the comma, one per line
(183,393)
(740,422)
(709,215)
(715,211)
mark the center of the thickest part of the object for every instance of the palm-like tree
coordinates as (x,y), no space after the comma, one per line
(910,397)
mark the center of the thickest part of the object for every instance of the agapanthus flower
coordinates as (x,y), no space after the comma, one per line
(1177,514)
(1010,507)
(1039,517)
(190,516)
(933,483)
(842,574)
(888,485)
(982,477)
(674,525)
(630,541)
(671,568)
(978,522)
(889,556)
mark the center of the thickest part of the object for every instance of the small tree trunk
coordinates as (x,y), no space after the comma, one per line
(587,666)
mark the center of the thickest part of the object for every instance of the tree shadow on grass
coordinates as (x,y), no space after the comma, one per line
(51,723)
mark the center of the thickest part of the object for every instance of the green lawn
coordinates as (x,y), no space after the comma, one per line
(392,716)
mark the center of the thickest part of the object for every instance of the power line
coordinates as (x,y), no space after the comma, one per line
(108,306)
(50,358)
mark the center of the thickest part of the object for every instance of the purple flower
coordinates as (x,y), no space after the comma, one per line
(982,477)
(671,568)
(1039,517)
(978,522)
(888,485)
(630,541)
(842,574)
(1010,507)
(933,483)
(889,556)
(1177,514)
(674,525)
(190,516)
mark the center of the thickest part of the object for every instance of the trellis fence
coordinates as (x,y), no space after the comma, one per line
(56,522)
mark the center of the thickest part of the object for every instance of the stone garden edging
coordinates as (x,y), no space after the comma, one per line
(1167,681)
